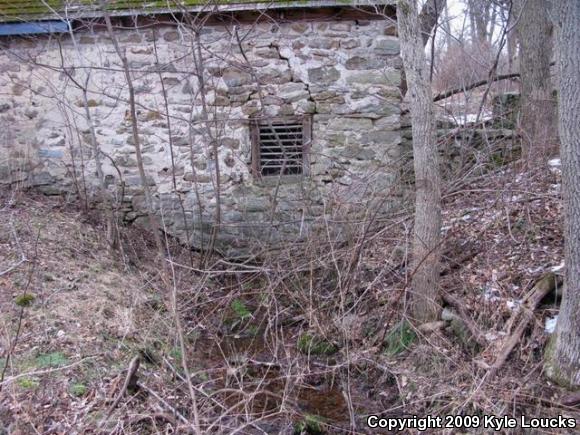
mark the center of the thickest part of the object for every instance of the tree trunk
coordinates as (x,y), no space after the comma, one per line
(538,112)
(447,27)
(492,24)
(479,18)
(512,40)
(429,16)
(427,228)
(136,140)
(563,356)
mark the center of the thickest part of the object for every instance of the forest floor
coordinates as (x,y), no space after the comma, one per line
(312,344)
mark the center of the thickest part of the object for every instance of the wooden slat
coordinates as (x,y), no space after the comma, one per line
(281,148)
(19,10)
(282,139)
(281,160)
(288,155)
(281,128)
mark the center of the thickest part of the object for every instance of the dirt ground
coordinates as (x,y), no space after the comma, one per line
(256,348)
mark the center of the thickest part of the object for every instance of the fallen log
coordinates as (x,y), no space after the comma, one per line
(546,284)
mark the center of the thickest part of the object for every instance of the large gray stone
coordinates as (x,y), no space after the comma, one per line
(336,139)
(357,152)
(324,43)
(382,137)
(377,109)
(300,27)
(274,75)
(328,97)
(323,75)
(304,106)
(363,63)
(255,204)
(267,53)
(345,123)
(392,122)
(234,77)
(42,179)
(349,43)
(135,180)
(388,45)
(180,141)
(293,91)
(390,77)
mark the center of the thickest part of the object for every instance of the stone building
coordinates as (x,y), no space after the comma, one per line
(259,122)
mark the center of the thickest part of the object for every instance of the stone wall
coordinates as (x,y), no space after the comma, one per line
(344,73)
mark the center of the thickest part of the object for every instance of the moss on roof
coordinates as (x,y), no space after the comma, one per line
(32,10)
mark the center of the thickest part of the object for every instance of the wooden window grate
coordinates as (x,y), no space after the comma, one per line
(280,147)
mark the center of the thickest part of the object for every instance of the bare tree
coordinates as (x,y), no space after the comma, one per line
(538,123)
(136,138)
(426,252)
(512,43)
(563,357)
(428,17)
(480,12)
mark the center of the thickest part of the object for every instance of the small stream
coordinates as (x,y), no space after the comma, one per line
(247,364)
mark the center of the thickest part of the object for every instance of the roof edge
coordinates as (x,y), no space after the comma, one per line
(260,6)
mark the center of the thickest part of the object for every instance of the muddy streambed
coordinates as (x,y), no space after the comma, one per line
(259,378)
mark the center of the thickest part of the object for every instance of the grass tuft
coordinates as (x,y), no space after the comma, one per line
(308,344)
(24,300)
(399,338)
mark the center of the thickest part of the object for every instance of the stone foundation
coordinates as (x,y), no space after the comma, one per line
(344,73)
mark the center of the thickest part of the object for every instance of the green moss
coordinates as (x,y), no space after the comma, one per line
(497,160)
(309,344)
(399,338)
(24,300)
(175,353)
(53,359)
(310,424)
(27,383)
(240,309)
(78,389)
(252,331)
(200,374)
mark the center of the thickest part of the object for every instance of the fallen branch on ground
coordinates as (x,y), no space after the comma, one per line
(547,283)
(167,405)
(130,383)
